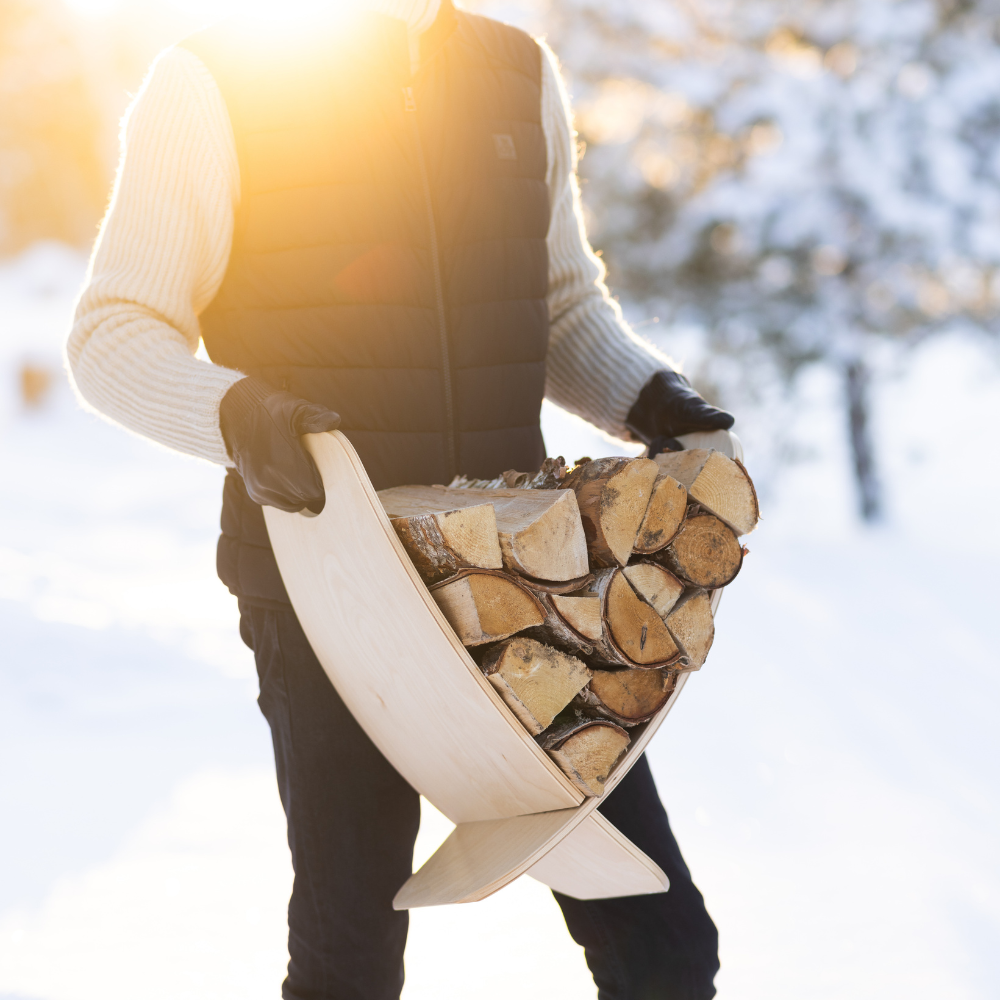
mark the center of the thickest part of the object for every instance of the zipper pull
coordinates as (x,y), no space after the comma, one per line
(409,103)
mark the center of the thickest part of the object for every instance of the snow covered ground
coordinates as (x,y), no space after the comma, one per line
(832,774)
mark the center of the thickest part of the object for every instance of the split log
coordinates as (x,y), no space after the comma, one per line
(582,614)
(668,503)
(537,682)
(484,605)
(627,697)
(441,542)
(540,532)
(705,553)
(613,494)
(657,586)
(585,749)
(719,483)
(556,630)
(691,624)
(632,634)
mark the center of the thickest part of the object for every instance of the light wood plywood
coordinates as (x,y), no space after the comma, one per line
(477,859)
(596,861)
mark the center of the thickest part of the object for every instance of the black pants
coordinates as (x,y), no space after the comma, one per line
(352,821)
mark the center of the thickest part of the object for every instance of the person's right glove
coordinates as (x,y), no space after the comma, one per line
(668,407)
(261,428)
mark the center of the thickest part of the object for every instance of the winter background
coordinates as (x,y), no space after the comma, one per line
(799,202)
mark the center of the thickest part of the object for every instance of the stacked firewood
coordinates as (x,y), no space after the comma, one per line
(583,592)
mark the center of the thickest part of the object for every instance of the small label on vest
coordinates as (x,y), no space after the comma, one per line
(409,102)
(506,150)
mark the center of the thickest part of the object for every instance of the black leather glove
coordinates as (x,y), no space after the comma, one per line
(667,407)
(261,428)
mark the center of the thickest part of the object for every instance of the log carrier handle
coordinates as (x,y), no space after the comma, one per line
(306,512)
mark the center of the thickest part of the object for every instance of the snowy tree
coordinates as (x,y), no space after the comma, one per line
(807,183)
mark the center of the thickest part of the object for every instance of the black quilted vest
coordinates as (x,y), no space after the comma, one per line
(389,257)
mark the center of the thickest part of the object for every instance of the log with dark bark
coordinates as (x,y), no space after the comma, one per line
(585,749)
(535,680)
(719,483)
(667,506)
(691,624)
(613,494)
(540,531)
(484,605)
(556,630)
(705,553)
(627,697)
(442,541)
(581,613)
(632,633)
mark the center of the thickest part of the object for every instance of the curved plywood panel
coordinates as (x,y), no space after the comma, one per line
(394,659)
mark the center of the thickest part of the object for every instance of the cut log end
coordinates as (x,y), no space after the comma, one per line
(585,749)
(637,629)
(536,681)
(553,546)
(631,633)
(627,697)
(691,624)
(705,553)
(613,494)
(667,505)
(535,533)
(583,614)
(656,585)
(442,542)
(720,484)
(486,606)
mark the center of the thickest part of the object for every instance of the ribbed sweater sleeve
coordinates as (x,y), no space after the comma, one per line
(596,365)
(159,260)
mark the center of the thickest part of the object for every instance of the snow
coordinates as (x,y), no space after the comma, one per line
(831,774)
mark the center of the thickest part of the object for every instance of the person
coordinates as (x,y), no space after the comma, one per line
(372,221)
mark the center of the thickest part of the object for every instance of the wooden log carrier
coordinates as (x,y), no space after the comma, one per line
(472,752)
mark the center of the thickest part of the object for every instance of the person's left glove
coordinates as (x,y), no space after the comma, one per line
(668,407)
(261,428)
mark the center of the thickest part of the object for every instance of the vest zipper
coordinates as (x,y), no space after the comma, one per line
(410,104)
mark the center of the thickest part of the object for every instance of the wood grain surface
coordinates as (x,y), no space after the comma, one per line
(596,861)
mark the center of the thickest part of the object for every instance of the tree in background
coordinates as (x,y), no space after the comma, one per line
(806,183)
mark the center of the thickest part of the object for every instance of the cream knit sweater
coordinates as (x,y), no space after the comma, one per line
(164,246)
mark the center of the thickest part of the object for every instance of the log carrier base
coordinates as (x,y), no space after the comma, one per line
(467,753)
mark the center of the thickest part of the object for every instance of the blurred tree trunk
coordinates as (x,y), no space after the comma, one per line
(858,383)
